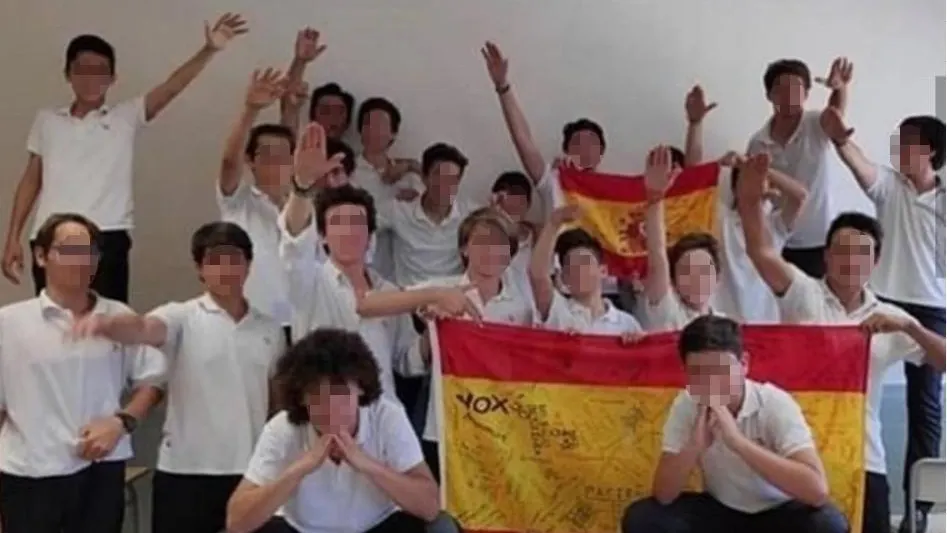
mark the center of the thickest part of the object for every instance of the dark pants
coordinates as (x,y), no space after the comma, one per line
(399,522)
(876,511)
(701,513)
(413,393)
(90,501)
(111,274)
(432,458)
(924,390)
(809,260)
(190,503)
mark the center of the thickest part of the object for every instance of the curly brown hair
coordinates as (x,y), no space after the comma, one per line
(338,356)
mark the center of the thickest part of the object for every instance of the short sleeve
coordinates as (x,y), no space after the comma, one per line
(402,449)
(679,423)
(174,316)
(801,301)
(228,203)
(34,141)
(560,317)
(886,179)
(271,454)
(667,314)
(131,112)
(550,190)
(146,366)
(778,229)
(787,429)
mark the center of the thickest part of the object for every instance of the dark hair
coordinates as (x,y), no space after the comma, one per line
(793,67)
(338,356)
(694,241)
(859,222)
(92,44)
(677,157)
(514,183)
(442,153)
(344,195)
(710,333)
(583,124)
(931,131)
(335,146)
(576,238)
(273,130)
(46,234)
(379,104)
(331,89)
(214,234)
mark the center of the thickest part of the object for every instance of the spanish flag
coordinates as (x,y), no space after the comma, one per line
(614,211)
(550,432)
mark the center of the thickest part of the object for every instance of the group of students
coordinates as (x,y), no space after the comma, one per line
(298,384)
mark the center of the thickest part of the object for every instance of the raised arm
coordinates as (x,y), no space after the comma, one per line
(792,197)
(529,154)
(129,328)
(312,168)
(658,178)
(697,108)
(216,38)
(442,301)
(840,75)
(834,126)
(27,190)
(751,188)
(306,50)
(540,280)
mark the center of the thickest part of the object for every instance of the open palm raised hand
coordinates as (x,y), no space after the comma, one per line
(224,30)
(497,65)
(266,87)
(310,162)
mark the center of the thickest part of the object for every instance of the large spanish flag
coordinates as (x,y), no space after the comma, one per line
(614,211)
(547,432)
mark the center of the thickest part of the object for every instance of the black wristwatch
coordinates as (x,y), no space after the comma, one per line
(300,190)
(129,422)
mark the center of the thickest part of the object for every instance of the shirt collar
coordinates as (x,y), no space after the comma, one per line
(419,213)
(208,304)
(48,306)
(505,294)
(869,303)
(751,399)
(610,316)
(101,111)
(336,275)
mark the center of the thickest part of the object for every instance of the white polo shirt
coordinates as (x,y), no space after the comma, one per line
(366,176)
(810,301)
(322,297)
(87,162)
(550,190)
(911,265)
(335,497)
(266,286)
(218,386)
(423,249)
(769,417)
(809,157)
(671,313)
(566,314)
(51,386)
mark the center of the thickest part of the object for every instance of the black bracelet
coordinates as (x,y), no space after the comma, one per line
(503,90)
(300,190)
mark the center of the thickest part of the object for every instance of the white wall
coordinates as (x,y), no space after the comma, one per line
(624,63)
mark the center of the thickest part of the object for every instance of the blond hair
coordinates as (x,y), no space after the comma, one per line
(487,215)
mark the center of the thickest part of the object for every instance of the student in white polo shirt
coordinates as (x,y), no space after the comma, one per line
(512,194)
(681,281)
(759,463)
(910,273)
(800,148)
(223,352)
(81,155)
(853,244)
(341,457)
(584,310)
(65,437)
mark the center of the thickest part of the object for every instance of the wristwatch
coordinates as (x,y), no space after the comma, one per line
(300,190)
(129,422)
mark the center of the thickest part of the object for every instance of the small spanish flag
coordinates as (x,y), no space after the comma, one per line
(547,432)
(613,209)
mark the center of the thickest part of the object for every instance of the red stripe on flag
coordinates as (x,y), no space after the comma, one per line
(797,358)
(630,189)
(624,267)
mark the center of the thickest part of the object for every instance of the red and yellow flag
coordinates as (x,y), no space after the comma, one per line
(548,432)
(614,211)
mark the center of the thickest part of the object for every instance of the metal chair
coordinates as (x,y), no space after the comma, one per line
(133,474)
(927,485)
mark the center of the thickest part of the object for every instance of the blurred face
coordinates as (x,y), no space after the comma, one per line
(581,272)
(442,182)
(332,114)
(850,258)
(346,233)
(90,77)
(71,260)
(695,278)
(788,95)
(586,148)
(333,407)
(224,270)
(487,250)
(514,205)
(912,157)
(715,378)
(376,131)
(272,163)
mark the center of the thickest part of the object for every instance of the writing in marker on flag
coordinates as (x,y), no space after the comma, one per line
(550,432)
(613,211)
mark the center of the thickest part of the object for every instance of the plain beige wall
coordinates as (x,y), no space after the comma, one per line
(624,63)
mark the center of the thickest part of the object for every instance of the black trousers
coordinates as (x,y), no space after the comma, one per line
(90,501)
(809,260)
(190,503)
(432,458)
(701,513)
(924,392)
(876,511)
(399,522)
(111,274)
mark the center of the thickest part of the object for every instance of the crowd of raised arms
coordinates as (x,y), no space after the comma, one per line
(298,383)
